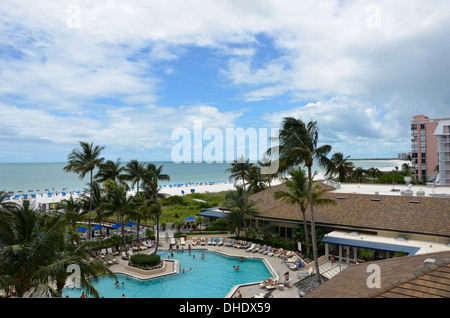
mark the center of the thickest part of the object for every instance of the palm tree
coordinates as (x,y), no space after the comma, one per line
(83,161)
(297,194)
(118,202)
(156,211)
(73,211)
(239,202)
(338,164)
(154,174)
(111,170)
(374,172)
(298,145)
(241,169)
(257,182)
(135,172)
(72,254)
(26,245)
(359,174)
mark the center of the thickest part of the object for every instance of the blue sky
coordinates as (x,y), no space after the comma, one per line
(127,74)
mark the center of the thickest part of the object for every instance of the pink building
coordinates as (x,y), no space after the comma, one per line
(424,146)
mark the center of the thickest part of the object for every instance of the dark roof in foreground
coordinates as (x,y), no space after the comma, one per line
(422,215)
(418,276)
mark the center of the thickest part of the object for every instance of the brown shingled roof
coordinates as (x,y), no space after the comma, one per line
(402,277)
(424,215)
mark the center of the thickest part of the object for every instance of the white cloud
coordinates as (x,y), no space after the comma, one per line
(364,82)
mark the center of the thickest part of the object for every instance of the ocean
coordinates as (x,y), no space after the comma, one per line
(50,176)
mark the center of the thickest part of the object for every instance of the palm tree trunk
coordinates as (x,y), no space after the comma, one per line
(305,227)
(313,226)
(90,205)
(157,234)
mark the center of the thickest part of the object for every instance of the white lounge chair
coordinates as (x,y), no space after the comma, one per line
(182,241)
(209,241)
(251,247)
(220,243)
(172,241)
(230,242)
(268,249)
(257,247)
(202,241)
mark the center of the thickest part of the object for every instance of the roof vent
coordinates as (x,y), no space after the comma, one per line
(375,199)
(429,260)
(341,198)
(414,202)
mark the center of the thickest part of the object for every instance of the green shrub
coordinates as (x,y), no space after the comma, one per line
(145,260)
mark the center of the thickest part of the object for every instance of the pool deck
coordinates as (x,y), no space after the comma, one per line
(275,264)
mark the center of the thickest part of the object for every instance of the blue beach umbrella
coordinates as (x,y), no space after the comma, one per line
(130,224)
(82,229)
(97,227)
(116,226)
(190,218)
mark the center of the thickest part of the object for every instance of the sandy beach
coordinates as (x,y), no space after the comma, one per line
(185,189)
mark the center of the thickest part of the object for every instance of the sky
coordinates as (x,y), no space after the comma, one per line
(128,74)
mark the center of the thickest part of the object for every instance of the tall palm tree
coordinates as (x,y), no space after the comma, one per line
(240,204)
(111,170)
(298,144)
(340,165)
(135,172)
(297,194)
(118,202)
(156,211)
(241,169)
(374,172)
(84,160)
(154,174)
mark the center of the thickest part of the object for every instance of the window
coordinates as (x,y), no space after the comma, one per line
(413,127)
(424,160)
(422,126)
(424,155)
(424,172)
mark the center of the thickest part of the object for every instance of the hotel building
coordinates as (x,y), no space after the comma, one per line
(424,146)
(443,141)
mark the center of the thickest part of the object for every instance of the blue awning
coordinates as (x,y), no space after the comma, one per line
(371,245)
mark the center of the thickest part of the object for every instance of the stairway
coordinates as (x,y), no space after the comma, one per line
(329,271)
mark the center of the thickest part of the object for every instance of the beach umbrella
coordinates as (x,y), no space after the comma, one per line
(116,226)
(190,218)
(97,227)
(82,229)
(130,224)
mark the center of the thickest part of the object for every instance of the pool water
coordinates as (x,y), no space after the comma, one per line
(210,277)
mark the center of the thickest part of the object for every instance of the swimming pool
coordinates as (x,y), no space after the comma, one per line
(209,277)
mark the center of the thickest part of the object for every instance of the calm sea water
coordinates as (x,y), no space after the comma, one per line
(30,177)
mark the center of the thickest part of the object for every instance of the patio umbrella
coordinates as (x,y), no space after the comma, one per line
(82,229)
(116,226)
(97,227)
(130,224)
(190,218)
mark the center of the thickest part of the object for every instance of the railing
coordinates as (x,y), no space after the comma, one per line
(337,265)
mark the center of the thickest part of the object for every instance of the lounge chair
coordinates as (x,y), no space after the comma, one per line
(262,249)
(220,243)
(182,241)
(255,248)
(247,245)
(251,247)
(230,242)
(268,249)
(194,241)
(172,241)
(214,242)
(209,241)
(203,241)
